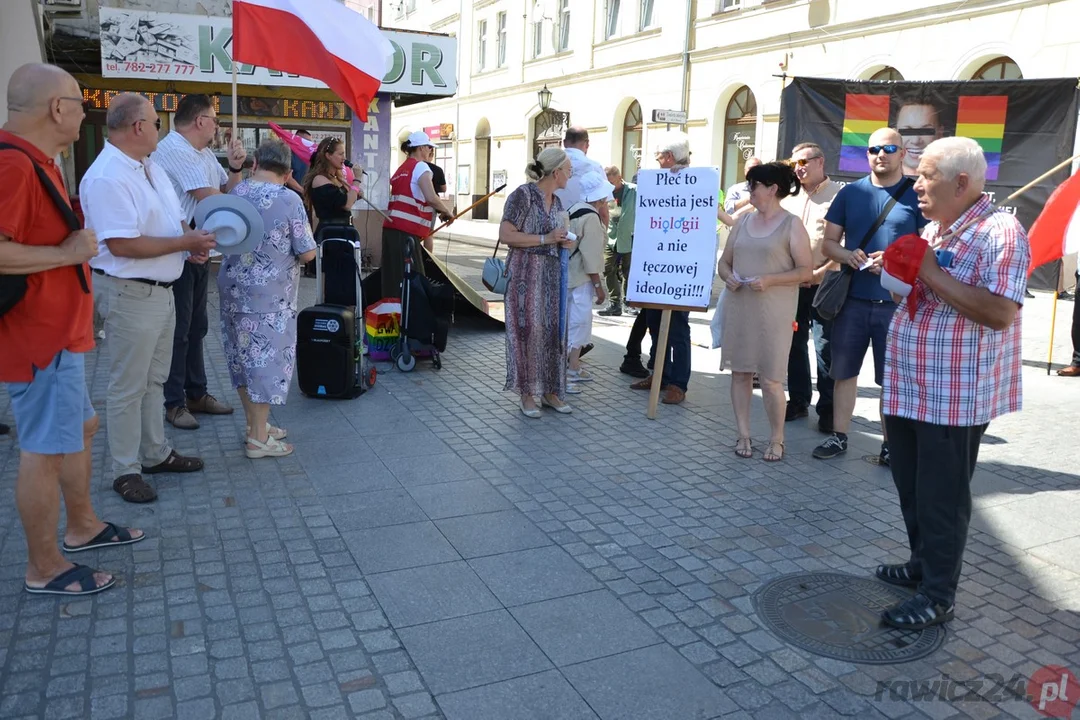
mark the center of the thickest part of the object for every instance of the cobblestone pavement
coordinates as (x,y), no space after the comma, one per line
(429,552)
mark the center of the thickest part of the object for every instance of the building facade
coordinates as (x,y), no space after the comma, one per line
(610,63)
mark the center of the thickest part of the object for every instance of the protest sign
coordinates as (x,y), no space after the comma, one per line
(674,254)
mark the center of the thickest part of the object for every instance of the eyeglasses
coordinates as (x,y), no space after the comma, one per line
(569,171)
(81,101)
(216,120)
(876,149)
(157,122)
(803,162)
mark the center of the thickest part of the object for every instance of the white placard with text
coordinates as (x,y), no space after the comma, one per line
(674,255)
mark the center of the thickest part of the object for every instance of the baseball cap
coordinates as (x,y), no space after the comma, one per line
(419,138)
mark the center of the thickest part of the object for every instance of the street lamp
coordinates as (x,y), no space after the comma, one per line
(544,97)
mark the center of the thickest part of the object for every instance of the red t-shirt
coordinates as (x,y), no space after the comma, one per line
(55,314)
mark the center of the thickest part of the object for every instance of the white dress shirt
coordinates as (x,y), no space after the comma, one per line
(581,164)
(188,169)
(124,198)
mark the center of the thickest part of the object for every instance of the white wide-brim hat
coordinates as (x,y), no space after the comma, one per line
(594,186)
(236,224)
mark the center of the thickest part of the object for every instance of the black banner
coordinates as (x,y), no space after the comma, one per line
(1025,127)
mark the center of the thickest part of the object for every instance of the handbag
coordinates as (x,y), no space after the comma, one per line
(496,274)
(833,291)
(13,287)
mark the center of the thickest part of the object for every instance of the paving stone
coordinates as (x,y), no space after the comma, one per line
(436,592)
(533,697)
(399,546)
(492,533)
(466,497)
(532,575)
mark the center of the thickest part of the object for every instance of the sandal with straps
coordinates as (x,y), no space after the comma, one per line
(270,448)
(770,455)
(902,574)
(744,451)
(274,432)
(917,613)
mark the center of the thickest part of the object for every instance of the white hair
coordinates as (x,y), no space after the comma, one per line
(955,155)
(676,143)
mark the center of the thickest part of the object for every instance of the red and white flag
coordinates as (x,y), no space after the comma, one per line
(1056,231)
(320,39)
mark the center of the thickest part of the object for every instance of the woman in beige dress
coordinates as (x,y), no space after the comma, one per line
(766,258)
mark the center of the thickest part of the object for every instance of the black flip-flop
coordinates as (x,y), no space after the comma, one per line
(104,539)
(78,573)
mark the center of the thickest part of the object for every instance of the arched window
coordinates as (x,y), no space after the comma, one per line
(740,135)
(631,159)
(887,73)
(1000,68)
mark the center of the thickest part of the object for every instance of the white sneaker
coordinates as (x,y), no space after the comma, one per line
(572,389)
(579,375)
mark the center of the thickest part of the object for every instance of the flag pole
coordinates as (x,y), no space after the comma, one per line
(234,133)
(1053,317)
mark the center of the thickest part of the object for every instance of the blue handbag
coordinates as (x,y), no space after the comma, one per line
(496,274)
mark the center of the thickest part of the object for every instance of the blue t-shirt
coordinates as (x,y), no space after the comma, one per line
(855,209)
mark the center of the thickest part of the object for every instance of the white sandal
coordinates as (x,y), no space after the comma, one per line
(274,432)
(271,448)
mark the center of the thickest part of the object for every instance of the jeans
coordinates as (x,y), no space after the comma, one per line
(799,383)
(616,272)
(187,375)
(677,362)
(932,466)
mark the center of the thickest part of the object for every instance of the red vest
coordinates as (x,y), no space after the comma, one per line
(406,212)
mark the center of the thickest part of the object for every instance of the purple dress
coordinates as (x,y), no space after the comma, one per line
(535,351)
(258,293)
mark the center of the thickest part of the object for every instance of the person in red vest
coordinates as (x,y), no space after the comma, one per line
(413,204)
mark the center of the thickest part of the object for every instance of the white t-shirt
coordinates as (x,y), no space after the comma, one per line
(124,198)
(581,164)
(418,172)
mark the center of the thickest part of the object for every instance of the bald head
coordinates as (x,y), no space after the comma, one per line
(576,137)
(125,110)
(886,136)
(886,167)
(33,85)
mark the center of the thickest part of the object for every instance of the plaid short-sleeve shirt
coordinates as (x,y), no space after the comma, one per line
(943,368)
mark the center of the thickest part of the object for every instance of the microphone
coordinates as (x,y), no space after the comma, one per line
(347,163)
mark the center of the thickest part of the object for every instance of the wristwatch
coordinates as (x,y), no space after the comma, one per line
(596,284)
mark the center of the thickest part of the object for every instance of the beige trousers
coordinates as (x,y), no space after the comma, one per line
(139,322)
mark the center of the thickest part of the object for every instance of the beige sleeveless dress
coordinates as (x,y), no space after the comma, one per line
(757,326)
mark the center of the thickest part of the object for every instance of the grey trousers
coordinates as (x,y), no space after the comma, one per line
(139,322)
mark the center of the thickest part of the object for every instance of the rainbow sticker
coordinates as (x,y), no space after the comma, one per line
(863,114)
(982,118)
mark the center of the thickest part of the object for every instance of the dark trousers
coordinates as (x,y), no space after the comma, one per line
(800,389)
(616,271)
(637,334)
(1076,324)
(187,376)
(677,362)
(932,466)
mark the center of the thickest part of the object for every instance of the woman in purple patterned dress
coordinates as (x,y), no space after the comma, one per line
(258,299)
(533,228)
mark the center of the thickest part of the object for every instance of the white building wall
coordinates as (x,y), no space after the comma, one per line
(596,79)
(20,42)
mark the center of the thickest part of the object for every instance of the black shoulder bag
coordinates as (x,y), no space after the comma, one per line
(13,287)
(833,291)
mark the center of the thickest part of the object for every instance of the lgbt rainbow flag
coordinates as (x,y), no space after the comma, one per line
(863,114)
(982,118)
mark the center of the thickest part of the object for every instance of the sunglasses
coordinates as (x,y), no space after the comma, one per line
(157,123)
(803,162)
(212,118)
(876,149)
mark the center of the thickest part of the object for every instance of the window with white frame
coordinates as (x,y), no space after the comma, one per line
(646,19)
(611,21)
(481,45)
(564,25)
(725,5)
(538,37)
(500,38)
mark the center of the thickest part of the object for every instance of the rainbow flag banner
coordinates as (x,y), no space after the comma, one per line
(982,118)
(863,114)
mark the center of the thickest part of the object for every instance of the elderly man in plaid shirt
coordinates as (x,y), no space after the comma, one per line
(950,370)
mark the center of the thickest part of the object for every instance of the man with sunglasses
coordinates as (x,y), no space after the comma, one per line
(865,218)
(810,206)
(195,173)
(143,238)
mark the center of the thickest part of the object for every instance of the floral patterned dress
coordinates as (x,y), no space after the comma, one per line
(535,351)
(258,294)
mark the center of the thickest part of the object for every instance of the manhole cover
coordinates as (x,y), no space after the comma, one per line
(839,616)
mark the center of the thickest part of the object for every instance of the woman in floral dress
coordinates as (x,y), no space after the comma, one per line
(533,227)
(258,299)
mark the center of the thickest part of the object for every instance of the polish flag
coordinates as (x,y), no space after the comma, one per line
(320,39)
(1056,232)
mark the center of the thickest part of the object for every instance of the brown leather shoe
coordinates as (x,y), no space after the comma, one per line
(1069,371)
(673,395)
(643,384)
(209,405)
(181,417)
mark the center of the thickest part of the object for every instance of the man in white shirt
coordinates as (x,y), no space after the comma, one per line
(185,155)
(737,196)
(576,144)
(142,242)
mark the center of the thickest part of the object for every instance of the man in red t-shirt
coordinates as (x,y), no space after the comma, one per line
(46,335)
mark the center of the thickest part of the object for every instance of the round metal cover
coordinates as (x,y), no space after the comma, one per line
(839,616)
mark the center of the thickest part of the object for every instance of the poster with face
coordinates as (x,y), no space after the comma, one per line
(1025,127)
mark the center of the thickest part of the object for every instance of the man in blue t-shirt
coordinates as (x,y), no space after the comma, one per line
(866,314)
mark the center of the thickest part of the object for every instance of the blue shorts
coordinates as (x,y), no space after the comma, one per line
(860,324)
(51,409)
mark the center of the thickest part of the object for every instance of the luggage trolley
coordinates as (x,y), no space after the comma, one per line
(426,308)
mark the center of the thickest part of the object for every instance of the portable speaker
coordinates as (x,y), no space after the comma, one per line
(326,351)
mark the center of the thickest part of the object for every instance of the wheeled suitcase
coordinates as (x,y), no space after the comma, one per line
(326,352)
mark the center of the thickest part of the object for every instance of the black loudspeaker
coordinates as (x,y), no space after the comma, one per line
(326,352)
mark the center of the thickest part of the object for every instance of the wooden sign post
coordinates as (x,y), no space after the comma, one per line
(674,256)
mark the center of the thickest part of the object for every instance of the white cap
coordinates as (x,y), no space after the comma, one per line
(594,186)
(419,138)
